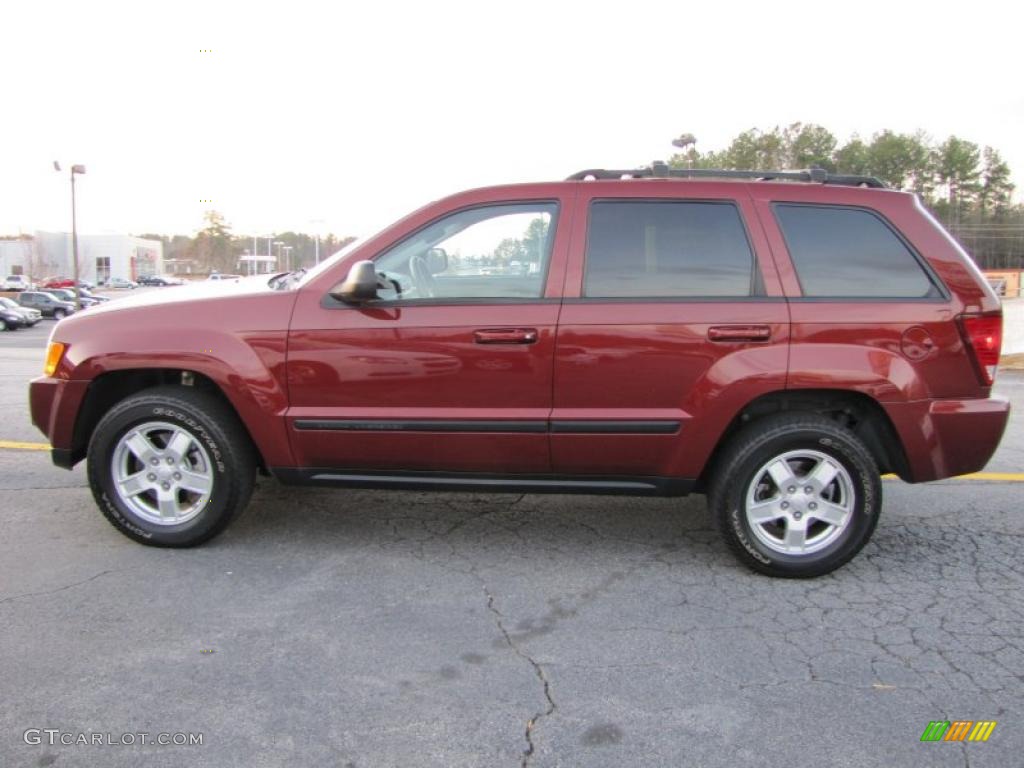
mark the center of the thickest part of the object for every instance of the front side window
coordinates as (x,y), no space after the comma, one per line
(668,249)
(498,252)
(843,252)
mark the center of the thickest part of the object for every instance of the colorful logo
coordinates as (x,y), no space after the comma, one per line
(958,730)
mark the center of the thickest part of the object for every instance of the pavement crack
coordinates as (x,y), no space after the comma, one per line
(59,589)
(538,670)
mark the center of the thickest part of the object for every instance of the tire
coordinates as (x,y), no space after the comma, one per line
(202,478)
(3,324)
(809,526)
(59,314)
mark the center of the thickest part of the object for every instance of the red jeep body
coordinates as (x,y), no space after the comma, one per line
(561,392)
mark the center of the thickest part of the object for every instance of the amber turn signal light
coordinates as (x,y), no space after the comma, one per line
(54,353)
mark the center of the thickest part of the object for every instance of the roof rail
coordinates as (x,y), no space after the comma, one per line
(661,170)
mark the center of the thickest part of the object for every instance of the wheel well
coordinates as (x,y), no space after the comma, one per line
(858,412)
(110,388)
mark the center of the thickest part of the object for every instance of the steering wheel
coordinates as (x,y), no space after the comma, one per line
(425,284)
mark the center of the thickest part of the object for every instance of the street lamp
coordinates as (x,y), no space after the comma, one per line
(686,140)
(278,243)
(288,256)
(75,169)
(316,226)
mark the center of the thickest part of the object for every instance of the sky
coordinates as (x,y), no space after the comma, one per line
(341,117)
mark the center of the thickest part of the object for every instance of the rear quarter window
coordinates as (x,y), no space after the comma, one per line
(841,252)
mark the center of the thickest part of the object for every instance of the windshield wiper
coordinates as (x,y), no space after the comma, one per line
(279,281)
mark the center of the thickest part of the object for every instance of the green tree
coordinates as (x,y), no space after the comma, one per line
(853,157)
(901,160)
(212,248)
(996,188)
(809,146)
(957,168)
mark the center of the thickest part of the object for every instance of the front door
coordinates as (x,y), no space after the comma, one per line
(450,370)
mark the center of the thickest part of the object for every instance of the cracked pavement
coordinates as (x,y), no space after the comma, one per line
(368,628)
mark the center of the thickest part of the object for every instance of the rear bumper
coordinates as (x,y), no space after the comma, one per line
(945,438)
(54,405)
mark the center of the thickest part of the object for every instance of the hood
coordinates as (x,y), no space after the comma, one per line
(183,294)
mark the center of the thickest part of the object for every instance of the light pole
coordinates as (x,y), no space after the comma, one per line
(278,243)
(288,256)
(316,226)
(74,230)
(685,141)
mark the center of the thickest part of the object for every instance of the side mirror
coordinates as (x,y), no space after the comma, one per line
(360,285)
(437,260)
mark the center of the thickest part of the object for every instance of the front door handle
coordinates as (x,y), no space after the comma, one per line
(505,336)
(740,332)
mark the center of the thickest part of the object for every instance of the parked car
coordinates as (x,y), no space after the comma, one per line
(223,276)
(16,283)
(119,282)
(11,320)
(159,280)
(47,304)
(775,340)
(64,282)
(68,294)
(29,316)
(86,293)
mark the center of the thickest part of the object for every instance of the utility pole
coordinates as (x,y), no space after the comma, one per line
(75,169)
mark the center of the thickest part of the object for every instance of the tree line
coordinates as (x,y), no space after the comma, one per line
(966,186)
(216,248)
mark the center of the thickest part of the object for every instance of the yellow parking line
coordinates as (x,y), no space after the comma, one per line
(13,445)
(1004,477)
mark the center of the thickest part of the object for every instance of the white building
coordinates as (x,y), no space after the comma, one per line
(49,254)
(14,255)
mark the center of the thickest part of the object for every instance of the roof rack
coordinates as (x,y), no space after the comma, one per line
(661,170)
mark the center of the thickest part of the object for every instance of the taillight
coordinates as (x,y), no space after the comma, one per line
(984,337)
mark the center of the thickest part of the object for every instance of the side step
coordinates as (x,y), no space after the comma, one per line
(484,483)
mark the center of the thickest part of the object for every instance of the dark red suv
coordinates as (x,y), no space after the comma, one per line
(774,340)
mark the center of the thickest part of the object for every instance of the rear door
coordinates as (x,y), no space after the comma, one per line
(673,318)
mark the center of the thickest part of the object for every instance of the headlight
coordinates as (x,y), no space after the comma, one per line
(54,352)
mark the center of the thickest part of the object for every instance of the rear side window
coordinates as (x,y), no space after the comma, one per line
(667,249)
(850,253)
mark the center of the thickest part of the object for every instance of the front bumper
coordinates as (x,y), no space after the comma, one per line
(54,405)
(946,438)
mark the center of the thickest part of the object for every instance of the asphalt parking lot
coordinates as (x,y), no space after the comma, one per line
(369,628)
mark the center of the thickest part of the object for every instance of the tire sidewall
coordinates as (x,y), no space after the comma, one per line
(867,503)
(101,453)
(59,314)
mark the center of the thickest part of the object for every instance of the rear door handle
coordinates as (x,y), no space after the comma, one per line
(740,332)
(505,336)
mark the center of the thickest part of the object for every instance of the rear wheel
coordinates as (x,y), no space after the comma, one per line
(796,495)
(3,324)
(171,466)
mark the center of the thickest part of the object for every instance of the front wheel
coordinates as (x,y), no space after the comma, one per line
(59,314)
(796,495)
(171,466)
